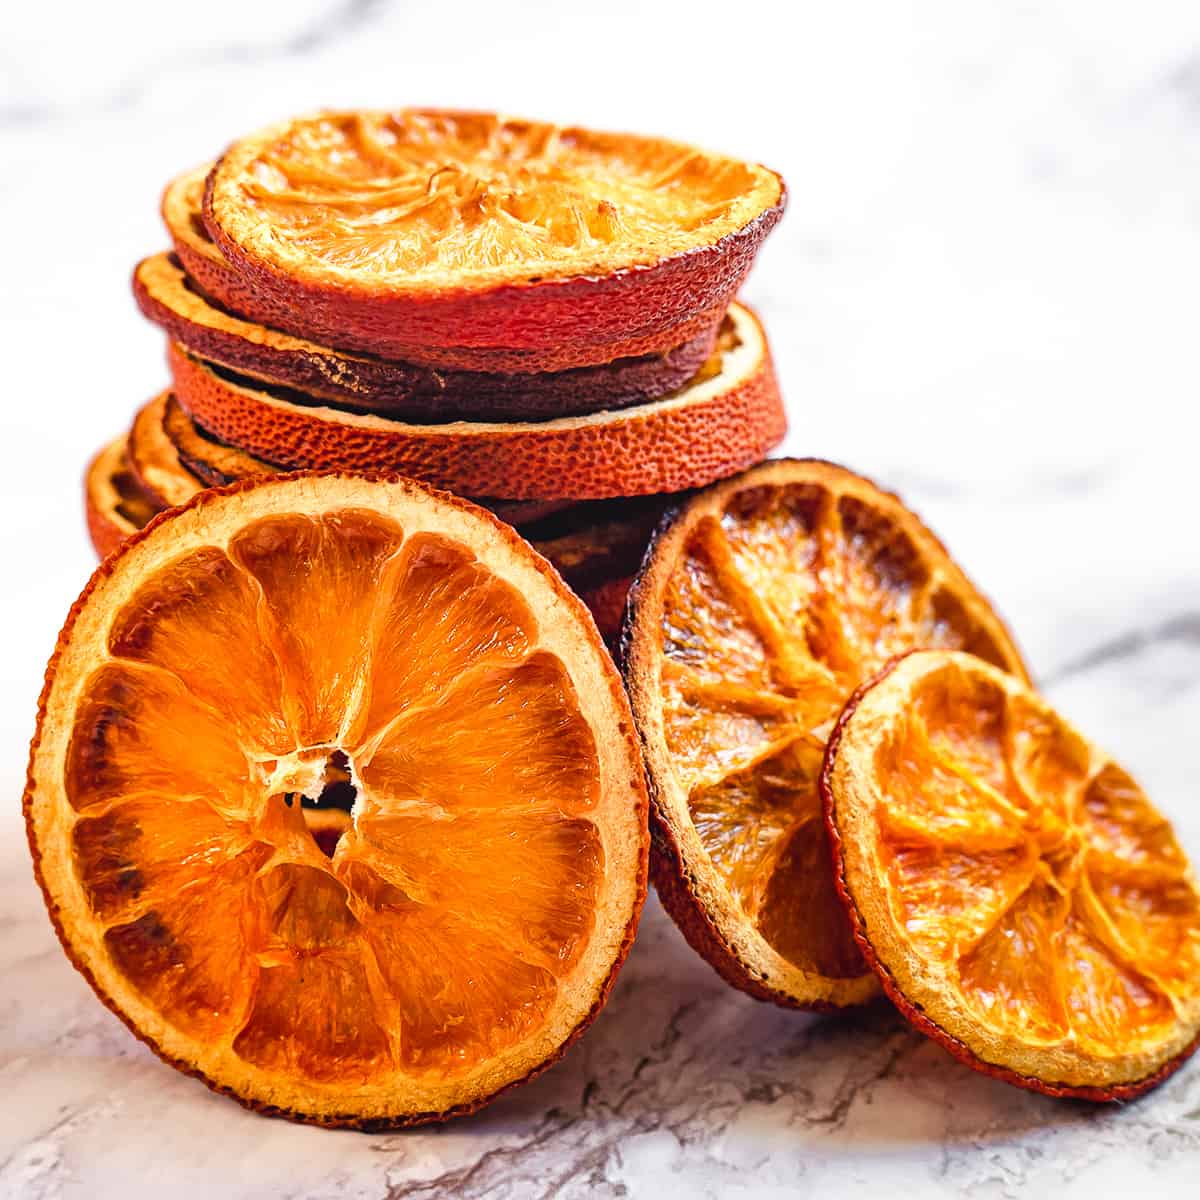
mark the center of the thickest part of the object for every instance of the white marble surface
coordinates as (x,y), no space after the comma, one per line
(984,294)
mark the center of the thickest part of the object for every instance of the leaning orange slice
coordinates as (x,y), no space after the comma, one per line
(1021,900)
(396,232)
(759,608)
(335,800)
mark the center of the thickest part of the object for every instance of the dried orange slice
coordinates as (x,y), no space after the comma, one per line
(1022,901)
(168,297)
(115,505)
(317,643)
(729,416)
(760,606)
(395,232)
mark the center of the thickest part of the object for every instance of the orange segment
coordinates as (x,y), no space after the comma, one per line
(1042,922)
(555,863)
(313,1019)
(309,573)
(124,742)
(336,801)
(199,619)
(485,724)
(1010,980)
(758,611)
(441,615)
(799,912)
(450,1018)
(199,983)
(141,851)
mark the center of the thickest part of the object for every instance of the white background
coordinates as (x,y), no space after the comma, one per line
(984,294)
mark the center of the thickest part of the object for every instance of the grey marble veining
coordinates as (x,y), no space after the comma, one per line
(982,296)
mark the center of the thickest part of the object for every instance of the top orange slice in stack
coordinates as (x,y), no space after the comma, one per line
(398,232)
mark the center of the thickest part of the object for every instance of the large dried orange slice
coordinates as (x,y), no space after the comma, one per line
(760,607)
(396,232)
(1020,898)
(408,390)
(729,416)
(335,799)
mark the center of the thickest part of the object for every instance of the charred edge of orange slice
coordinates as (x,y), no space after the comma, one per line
(576,310)
(168,298)
(914,1015)
(706,431)
(676,886)
(617,690)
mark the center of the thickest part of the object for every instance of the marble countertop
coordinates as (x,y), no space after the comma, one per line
(983,295)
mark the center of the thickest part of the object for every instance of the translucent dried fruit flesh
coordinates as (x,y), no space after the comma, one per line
(1015,886)
(417,198)
(333,804)
(772,598)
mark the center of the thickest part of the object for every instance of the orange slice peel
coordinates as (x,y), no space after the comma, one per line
(367,383)
(729,416)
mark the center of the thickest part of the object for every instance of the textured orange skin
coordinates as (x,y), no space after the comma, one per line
(406,389)
(640,452)
(347,1120)
(914,1016)
(577,321)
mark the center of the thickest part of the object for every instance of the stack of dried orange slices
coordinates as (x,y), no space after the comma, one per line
(336,797)
(538,317)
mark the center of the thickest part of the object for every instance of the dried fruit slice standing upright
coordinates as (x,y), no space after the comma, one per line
(760,606)
(335,799)
(1021,899)
(399,232)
